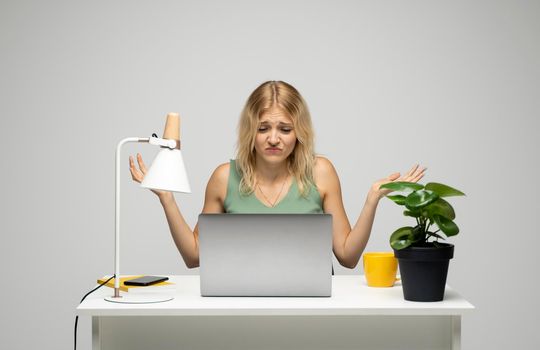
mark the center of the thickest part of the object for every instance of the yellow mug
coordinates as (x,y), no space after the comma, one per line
(380,269)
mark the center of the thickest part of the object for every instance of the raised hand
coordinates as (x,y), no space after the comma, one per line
(414,175)
(138,174)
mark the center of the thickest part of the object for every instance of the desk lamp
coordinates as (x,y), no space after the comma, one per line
(167,173)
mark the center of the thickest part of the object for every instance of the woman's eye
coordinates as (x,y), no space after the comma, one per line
(266,128)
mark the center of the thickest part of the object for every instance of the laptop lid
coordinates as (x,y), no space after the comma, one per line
(265,254)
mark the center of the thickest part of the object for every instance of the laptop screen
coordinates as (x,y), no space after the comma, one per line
(265,254)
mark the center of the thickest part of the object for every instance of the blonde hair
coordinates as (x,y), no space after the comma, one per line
(301,161)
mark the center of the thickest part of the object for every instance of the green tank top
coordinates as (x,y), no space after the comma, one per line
(292,203)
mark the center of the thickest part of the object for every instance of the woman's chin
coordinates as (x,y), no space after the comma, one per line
(273,158)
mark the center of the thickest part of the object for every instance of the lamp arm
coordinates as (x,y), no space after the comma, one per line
(117,212)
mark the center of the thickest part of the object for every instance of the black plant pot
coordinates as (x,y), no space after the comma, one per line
(424,270)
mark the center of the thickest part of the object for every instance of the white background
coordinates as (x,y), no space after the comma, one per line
(453,85)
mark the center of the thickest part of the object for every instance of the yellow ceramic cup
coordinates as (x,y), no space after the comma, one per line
(380,269)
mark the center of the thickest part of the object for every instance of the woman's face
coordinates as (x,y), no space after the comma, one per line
(275,138)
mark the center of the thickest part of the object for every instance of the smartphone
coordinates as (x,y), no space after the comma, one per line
(145,280)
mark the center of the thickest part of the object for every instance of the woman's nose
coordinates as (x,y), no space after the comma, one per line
(274,137)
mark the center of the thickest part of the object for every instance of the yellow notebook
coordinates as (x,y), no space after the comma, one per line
(125,288)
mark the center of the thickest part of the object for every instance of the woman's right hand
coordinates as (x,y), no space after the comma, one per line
(138,174)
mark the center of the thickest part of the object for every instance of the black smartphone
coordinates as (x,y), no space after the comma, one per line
(145,281)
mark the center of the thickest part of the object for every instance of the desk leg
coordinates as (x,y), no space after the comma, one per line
(96,333)
(456,332)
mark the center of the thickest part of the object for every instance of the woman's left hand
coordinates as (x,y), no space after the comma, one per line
(414,175)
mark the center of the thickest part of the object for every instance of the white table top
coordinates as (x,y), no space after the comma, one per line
(350,296)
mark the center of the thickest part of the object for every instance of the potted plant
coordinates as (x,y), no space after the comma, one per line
(423,259)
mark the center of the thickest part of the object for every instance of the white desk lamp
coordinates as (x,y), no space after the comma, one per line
(167,173)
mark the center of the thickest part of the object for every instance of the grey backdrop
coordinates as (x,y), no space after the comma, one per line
(453,85)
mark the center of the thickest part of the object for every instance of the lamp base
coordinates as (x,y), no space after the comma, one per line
(139,299)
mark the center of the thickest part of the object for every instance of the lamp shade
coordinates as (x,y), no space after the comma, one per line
(167,172)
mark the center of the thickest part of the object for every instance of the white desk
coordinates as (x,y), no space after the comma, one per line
(355,317)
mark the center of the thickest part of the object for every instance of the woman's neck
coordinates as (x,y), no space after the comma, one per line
(268,173)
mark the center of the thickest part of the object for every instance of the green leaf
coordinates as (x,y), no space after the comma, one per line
(419,199)
(400,238)
(401,244)
(402,186)
(443,190)
(446,225)
(398,199)
(412,213)
(442,208)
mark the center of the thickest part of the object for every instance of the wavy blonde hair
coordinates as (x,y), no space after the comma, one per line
(301,161)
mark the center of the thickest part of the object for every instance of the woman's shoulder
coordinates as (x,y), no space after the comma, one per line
(217,185)
(323,167)
(221,173)
(324,174)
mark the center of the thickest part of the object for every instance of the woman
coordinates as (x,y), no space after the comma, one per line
(276,171)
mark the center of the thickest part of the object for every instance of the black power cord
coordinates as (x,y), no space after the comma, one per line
(87,294)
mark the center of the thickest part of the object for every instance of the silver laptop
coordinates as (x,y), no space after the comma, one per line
(265,254)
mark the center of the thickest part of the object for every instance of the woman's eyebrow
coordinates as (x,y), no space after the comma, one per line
(279,123)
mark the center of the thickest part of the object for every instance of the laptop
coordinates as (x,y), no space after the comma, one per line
(265,255)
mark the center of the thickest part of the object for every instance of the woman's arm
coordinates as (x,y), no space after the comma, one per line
(348,244)
(186,240)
